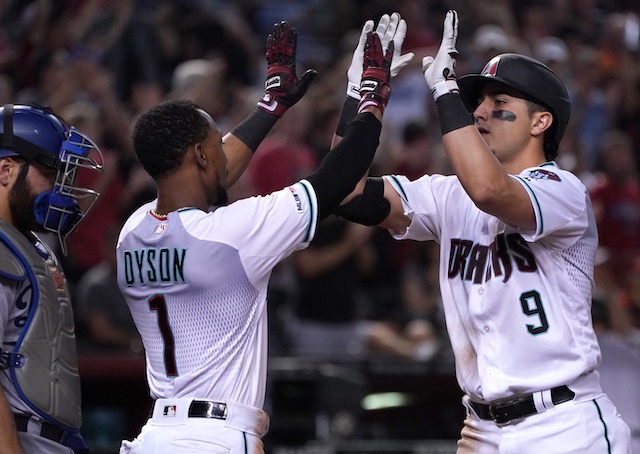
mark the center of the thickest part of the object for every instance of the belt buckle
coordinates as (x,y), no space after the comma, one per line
(496,416)
(217,410)
(208,409)
(504,417)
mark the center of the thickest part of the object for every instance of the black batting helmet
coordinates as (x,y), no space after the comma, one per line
(535,80)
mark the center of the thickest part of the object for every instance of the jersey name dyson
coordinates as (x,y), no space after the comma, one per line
(479,263)
(149,266)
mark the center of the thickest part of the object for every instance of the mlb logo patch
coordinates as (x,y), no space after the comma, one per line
(169,410)
(158,229)
(296,198)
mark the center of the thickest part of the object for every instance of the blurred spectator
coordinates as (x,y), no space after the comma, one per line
(411,101)
(625,306)
(102,314)
(203,82)
(590,114)
(283,157)
(535,19)
(85,247)
(405,317)
(588,17)
(419,33)
(328,317)
(412,156)
(488,41)
(554,53)
(616,202)
(330,307)
(7,91)
(422,303)
(121,35)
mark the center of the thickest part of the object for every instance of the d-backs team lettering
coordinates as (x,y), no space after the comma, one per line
(479,262)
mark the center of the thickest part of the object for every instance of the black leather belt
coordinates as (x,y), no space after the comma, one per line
(207,409)
(47,430)
(504,412)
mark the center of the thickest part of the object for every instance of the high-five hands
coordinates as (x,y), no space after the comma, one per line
(389,28)
(439,72)
(374,87)
(283,88)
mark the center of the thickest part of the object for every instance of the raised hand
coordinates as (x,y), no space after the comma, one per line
(399,61)
(439,72)
(389,28)
(374,88)
(283,88)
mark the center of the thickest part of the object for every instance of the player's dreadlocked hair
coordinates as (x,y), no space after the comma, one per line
(163,134)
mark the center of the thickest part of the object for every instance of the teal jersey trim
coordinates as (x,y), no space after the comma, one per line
(604,427)
(536,204)
(395,182)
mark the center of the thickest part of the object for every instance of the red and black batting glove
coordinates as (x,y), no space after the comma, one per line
(374,87)
(283,88)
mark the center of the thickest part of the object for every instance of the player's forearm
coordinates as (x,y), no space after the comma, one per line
(484,178)
(238,157)
(347,114)
(480,173)
(240,144)
(9,443)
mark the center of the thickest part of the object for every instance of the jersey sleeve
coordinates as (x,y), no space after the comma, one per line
(420,205)
(560,203)
(268,228)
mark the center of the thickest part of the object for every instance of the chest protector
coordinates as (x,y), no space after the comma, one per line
(44,362)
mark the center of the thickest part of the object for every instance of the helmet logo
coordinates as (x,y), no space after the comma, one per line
(491,68)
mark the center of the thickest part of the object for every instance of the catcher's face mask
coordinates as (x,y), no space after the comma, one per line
(38,135)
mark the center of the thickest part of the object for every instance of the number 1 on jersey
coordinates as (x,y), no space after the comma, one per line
(158,304)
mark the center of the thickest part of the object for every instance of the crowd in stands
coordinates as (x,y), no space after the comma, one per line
(100,63)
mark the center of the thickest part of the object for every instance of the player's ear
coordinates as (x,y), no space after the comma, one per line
(199,156)
(5,170)
(541,122)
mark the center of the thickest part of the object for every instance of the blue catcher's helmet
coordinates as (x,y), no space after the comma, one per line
(36,134)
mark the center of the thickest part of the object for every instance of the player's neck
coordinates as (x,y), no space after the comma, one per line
(523,161)
(179,191)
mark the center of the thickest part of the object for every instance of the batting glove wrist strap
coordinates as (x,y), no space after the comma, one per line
(453,113)
(443,87)
(374,88)
(283,88)
(353,91)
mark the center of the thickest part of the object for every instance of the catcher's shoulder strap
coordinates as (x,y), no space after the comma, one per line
(44,363)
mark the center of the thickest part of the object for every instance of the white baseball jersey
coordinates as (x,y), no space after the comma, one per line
(196,285)
(517,303)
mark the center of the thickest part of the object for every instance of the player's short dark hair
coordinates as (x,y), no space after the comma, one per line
(163,134)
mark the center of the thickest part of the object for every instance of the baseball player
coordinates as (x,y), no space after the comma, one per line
(39,383)
(194,270)
(517,244)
